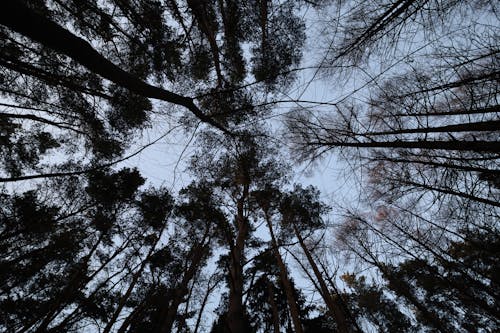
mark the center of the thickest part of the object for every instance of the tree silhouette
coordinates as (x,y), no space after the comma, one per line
(87,243)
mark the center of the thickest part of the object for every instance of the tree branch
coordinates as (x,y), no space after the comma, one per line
(18,17)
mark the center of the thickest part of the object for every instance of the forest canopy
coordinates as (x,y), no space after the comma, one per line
(399,97)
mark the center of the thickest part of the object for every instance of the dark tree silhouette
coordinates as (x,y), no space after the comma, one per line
(87,244)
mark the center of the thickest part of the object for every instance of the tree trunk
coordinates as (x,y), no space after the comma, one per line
(477,146)
(130,288)
(492,125)
(450,192)
(204,302)
(438,165)
(198,10)
(489,109)
(335,310)
(235,319)
(131,317)
(292,304)
(274,308)
(181,289)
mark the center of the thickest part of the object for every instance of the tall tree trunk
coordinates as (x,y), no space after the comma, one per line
(491,125)
(477,146)
(452,112)
(449,192)
(334,308)
(131,287)
(431,162)
(292,304)
(274,308)
(204,302)
(485,76)
(236,314)
(181,289)
(199,12)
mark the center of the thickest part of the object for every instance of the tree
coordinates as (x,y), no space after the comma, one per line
(88,71)
(270,296)
(438,284)
(49,258)
(87,244)
(371,303)
(232,176)
(422,130)
(265,201)
(83,74)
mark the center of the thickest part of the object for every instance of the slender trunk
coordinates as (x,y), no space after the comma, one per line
(340,301)
(181,289)
(130,288)
(482,77)
(236,314)
(439,165)
(382,21)
(334,308)
(51,79)
(477,146)
(23,108)
(489,109)
(74,284)
(403,289)
(274,308)
(456,265)
(131,317)
(492,125)
(204,302)
(198,10)
(41,120)
(445,262)
(263,24)
(73,313)
(292,304)
(450,192)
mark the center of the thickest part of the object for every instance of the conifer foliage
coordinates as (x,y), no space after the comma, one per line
(89,244)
